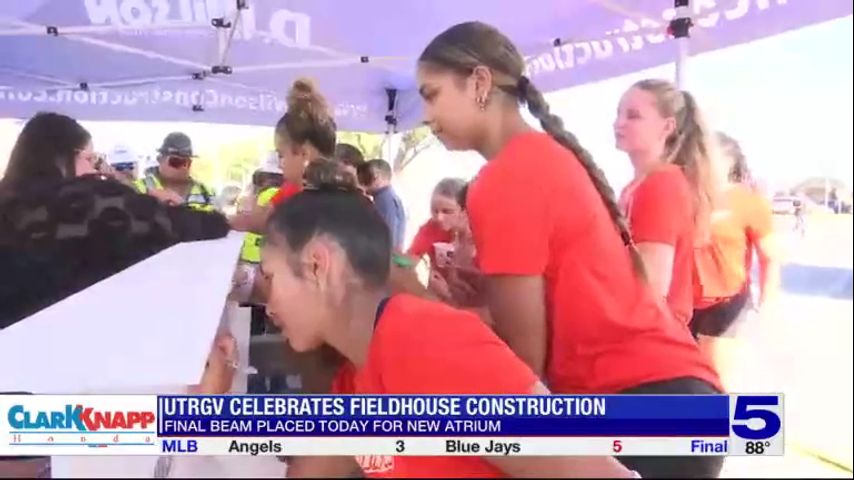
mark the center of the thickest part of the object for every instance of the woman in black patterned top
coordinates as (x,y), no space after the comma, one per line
(64,227)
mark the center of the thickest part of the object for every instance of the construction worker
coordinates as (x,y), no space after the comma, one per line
(124,163)
(265,183)
(171,182)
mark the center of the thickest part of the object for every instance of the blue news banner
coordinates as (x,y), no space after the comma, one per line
(696,424)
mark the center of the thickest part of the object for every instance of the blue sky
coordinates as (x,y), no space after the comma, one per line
(788,99)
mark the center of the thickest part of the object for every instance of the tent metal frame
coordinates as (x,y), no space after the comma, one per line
(226,27)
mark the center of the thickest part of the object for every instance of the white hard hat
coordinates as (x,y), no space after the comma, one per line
(121,154)
(270,163)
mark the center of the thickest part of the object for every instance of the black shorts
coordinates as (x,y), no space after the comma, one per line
(674,467)
(722,319)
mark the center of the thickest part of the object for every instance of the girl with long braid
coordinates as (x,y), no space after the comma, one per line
(565,284)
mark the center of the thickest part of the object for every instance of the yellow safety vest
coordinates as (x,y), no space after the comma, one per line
(199,197)
(251,252)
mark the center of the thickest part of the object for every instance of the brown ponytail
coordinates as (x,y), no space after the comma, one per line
(689,147)
(553,125)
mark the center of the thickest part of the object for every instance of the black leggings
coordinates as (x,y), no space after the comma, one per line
(722,319)
(674,467)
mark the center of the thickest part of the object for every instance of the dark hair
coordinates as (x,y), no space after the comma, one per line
(738,172)
(349,155)
(462,197)
(340,211)
(321,172)
(369,171)
(308,119)
(449,187)
(45,150)
(380,166)
(688,146)
(466,46)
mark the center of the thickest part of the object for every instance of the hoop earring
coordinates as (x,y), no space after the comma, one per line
(481,103)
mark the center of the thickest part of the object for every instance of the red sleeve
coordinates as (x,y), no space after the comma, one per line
(760,219)
(509,218)
(287,191)
(344,382)
(454,353)
(659,208)
(422,244)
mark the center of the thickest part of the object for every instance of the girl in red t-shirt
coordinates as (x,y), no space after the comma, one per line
(669,201)
(327,259)
(305,132)
(444,208)
(564,282)
(436,238)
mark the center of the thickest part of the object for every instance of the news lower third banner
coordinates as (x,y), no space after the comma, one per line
(392,425)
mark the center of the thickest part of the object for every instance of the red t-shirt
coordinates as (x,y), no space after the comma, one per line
(286,191)
(426,348)
(534,211)
(429,233)
(660,210)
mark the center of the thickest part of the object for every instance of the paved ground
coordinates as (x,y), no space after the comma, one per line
(806,353)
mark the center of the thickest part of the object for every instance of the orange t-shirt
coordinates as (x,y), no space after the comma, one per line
(427,348)
(723,265)
(535,212)
(660,210)
(286,191)
(427,235)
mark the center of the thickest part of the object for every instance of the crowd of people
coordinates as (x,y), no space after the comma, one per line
(541,278)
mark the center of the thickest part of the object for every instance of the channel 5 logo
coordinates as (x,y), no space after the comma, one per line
(756,417)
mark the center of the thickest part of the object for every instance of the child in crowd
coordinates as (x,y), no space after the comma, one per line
(305,132)
(438,230)
(351,158)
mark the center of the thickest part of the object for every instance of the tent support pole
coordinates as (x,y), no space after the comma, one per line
(39,30)
(226,35)
(681,60)
(391,121)
(680,28)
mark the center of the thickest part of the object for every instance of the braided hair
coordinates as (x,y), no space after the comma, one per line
(466,46)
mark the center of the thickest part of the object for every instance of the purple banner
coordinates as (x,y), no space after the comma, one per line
(136,59)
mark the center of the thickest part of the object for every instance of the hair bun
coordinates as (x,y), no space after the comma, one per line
(304,98)
(335,186)
(327,175)
(302,89)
